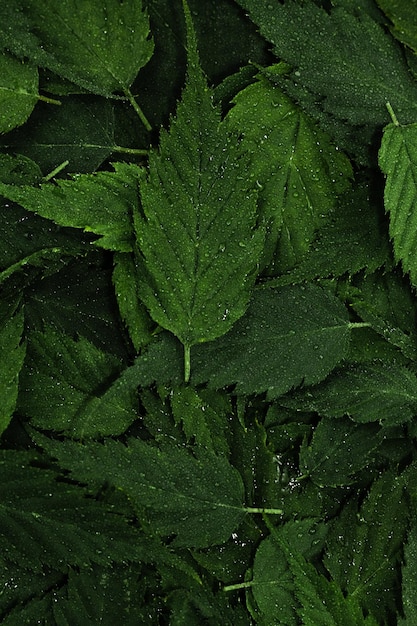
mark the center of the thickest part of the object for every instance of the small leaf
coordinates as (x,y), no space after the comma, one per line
(198,500)
(398,161)
(289,336)
(18,92)
(199,241)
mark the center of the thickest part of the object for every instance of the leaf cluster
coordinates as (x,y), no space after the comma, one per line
(208,340)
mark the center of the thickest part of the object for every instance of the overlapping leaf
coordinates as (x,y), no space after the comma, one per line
(290,335)
(300,173)
(398,161)
(49,522)
(199,242)
(374,392)
(100,45)
(198,500)
(409,573)
(18,91)
(403,16)
(344,57)
(100,203)
(73,387)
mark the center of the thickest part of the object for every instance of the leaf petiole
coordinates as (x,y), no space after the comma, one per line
(187,362)
(129,95)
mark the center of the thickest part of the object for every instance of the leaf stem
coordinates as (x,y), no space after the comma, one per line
(140,151)
(49,100)
(138,110)
(187,362)
(237,586)
(359,325)
(56,171)
(250,509)
(392,114)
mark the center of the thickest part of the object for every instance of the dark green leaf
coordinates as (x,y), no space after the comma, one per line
(198,500)
(12,354)
(71,386)
(366,67)
(289,336)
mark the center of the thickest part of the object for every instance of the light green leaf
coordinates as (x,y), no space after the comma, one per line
(47,522)
(295,197)
(375,392)
(100,45)
(345,59)
(198,500)
(289,336)
(403,16)
(398,161)
(18,91)
(199,241)
(339,449)
(71,386)
(12,354)
(100,203)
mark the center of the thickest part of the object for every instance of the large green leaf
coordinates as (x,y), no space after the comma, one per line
(199,241)
(398,161)
(100,203)
(295,197)
(289,336)
(18,91)
(49,522)
(99,44)
(347,60)
(199,501)
(73,387)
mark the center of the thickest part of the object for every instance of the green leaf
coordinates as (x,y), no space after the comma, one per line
(386,301)
(339,449)
(49,522)
(403,17)
(133,312)
(199,242)
(12,354)
(199,501)
(90,43)
(364,564)
(295,197)
(289,336)
(73,387)
(398,161)
(80,131)
(18,91)
(374,392)
(366,67)
(100,203)
(409,577)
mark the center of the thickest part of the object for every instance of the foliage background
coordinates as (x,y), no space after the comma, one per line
(278,484)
